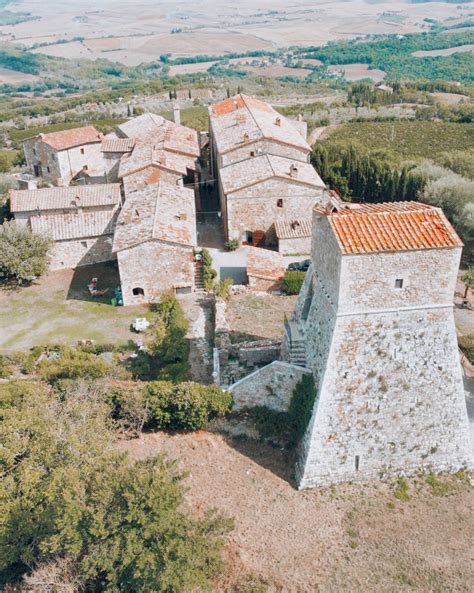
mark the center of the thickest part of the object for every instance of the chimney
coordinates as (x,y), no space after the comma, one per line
(176,114)
(278,121)
(246,137)
(293,171)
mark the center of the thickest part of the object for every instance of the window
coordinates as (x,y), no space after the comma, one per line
(82,151)
(84,243)
(280,203)
(247,237)
(85,167)
(138,291)
(399,283)
(53,156)
(357,460)
(48,169)
(252,153)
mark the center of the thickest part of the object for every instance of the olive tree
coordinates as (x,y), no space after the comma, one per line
(23,254)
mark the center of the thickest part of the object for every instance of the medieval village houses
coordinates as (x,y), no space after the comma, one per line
(261,162)
(59,157)
(155,240)
(79,219)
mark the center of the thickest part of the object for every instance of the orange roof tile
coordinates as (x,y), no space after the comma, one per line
(71,138)
(403,226)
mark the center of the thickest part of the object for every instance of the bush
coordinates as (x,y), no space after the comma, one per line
(208,272)
(231,245)
(22,253)
(73,364)
(293,281)
(222,288)
(186,406)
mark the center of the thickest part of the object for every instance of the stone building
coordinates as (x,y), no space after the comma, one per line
(155,240)
(113,150)
(80,220)
(258,191)
(260,160)
(375,315)
(293,235)
(58,157)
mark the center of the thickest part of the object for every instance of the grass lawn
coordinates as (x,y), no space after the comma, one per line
(59,309)
(406,140)
(195,117)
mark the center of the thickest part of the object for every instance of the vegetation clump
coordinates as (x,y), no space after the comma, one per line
(23,254)
(67,496)
(293,281)
(208,271)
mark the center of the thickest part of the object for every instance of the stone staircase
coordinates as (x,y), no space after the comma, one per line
(298,353)
(198,277)
(296,348)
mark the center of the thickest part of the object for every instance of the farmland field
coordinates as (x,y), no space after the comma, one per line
(358,72)
(449,51)
(407,140)
(113,31)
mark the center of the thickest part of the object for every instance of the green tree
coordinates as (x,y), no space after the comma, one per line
(23,254)
(66,493)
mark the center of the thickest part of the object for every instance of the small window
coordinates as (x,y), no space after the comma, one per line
(82,151)
(84,243)
(252,153)
(85,167)
(280,203)
(357,461)
(399,283)
(34,152)
(53,156)
(138,291)
(48,169)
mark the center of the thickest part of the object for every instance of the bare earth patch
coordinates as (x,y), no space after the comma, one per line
(257,316)
(354,538)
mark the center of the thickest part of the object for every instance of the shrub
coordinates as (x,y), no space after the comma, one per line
(301,407)
(208,271)
(222,288)
(73,364)
(231,245)
(186,406)
(22,253)
(293,281)
(401,490)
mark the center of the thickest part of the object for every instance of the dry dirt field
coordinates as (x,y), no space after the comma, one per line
(214,26)
(190,68)
(276,71)
(12,77)
(258,315)
(349,538)
(444,52)
(358,72)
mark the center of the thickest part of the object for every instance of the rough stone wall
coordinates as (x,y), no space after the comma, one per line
(391,398)
(271,386)
(81,252)
(301,246)
(242,152)
(65,164)
(263,284)
(155,267)
(112,165)
(256,208)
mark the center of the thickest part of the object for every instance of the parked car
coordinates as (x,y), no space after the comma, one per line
(300,266)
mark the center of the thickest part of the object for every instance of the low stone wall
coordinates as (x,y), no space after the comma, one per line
(271,386)
(233,362)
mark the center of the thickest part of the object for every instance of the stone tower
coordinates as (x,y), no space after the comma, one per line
(376,316)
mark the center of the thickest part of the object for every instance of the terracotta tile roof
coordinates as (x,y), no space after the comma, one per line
(59,198)
(75,225)
(390,227)
(286,228)
(163,212)
(266,264)
(260,168)
(146,154)
(154,129)
(118,145)
(71,138)
(244,120)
